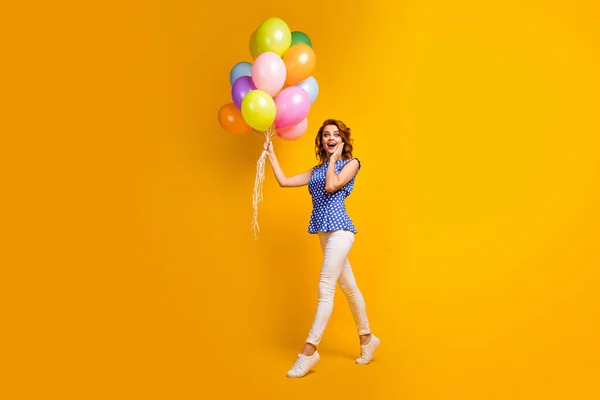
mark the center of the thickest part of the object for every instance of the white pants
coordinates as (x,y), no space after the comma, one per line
(336,268)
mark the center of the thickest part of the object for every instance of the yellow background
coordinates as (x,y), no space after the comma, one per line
(129,267)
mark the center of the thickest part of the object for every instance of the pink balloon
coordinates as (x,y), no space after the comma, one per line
(268,73)
(293,132)
(292,105)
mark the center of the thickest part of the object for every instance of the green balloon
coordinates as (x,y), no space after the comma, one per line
(300,37)
(273,35)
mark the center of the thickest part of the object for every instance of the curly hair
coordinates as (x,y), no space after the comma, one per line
(345,133)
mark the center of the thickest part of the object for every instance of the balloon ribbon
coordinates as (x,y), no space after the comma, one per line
(257,196)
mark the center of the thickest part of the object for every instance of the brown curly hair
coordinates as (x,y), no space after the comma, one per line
(345,133)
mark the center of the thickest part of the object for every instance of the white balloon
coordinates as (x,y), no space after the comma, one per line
(311,86)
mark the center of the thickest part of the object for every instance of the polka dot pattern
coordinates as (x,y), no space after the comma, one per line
(329,210)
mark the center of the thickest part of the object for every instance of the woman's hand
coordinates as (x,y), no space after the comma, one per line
(337,154)
(268,147)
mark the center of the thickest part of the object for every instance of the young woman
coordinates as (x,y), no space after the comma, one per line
(329,183)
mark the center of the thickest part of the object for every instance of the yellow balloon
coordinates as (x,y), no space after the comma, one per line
(253,46)
(273,35)
(258,110)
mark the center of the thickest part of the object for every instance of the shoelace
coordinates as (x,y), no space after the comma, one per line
(365,354)
(297,367)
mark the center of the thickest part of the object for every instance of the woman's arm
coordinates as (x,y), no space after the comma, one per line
(333,181)
(284,181)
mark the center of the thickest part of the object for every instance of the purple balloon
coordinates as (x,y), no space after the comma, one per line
(240,89)
(292,106)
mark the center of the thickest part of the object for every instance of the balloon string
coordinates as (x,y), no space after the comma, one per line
(257,195)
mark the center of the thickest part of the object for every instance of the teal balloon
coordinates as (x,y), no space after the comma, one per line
(240,69)
(300,37)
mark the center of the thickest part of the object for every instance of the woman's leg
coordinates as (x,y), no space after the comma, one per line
(336,246)
(368,342)
(356,301)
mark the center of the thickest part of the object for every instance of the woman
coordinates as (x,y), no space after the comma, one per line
(329,183)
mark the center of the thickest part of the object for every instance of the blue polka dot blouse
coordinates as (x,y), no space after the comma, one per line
(329,210)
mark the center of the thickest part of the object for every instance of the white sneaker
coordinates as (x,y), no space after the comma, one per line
(367,350)
(303,364)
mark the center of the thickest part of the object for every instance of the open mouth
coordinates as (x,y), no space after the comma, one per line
(331,145)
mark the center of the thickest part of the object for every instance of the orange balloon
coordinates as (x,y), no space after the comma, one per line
(230,119)
(299,60)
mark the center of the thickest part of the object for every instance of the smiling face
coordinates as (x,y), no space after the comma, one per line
(331,134)
(331,138)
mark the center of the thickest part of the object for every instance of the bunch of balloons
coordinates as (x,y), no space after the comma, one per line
(275,92)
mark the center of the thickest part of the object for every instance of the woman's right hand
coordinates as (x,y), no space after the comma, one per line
(268,147)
